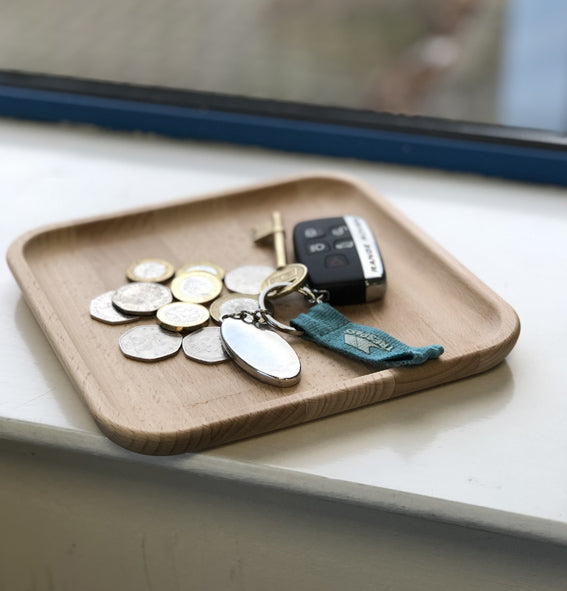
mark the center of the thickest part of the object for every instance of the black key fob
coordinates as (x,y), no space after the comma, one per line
(342,257)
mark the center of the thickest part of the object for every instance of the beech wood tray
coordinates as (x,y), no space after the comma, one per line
(179,405)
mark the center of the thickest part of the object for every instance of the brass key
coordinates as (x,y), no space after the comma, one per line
(274,229)
(295,274)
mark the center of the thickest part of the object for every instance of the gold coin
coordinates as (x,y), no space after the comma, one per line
(295,274)
(201,266)
(179,316)
(154,270)
(196,287)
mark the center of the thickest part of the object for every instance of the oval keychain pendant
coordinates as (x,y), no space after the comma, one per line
(262,353)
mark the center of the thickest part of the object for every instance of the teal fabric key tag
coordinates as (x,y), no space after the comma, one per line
(327,327)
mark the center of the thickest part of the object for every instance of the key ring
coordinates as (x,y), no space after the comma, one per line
(313,297)
(268,317)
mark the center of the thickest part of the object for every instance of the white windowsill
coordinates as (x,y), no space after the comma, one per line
(488,451)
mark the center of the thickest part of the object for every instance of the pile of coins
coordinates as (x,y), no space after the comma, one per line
(182,308)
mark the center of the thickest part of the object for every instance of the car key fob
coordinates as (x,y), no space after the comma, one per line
(342,257)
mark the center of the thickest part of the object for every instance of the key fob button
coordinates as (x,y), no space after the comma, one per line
(313,232)
(344,244)
(339,231)
(317,247)
(333,261)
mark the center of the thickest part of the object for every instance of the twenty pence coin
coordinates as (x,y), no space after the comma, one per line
(247,279)
(149,343)
(101,309)
(196,287)
(141,298)
(179,316)
(155,270)
(205,345)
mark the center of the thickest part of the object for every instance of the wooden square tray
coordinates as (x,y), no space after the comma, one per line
(178,405)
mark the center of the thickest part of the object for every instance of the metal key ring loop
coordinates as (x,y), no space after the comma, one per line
(268,317)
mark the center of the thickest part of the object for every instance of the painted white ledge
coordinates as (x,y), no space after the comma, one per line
(487,452)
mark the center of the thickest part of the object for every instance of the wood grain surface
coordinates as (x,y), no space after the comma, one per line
(178,405)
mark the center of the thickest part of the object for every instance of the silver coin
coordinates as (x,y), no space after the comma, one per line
(247,279)
(205,345)
(101,309)
(149,343)
(262,353)
(141,298)
(232,304)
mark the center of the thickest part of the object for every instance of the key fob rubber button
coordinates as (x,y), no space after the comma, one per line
(340,231)
(313,232)
(332,261)
(318,247)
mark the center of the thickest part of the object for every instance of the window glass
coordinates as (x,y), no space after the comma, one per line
(487,61)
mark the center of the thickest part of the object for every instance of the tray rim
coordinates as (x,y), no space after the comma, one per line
(390,381)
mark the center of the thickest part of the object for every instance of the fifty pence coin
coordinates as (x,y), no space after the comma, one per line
(196,287)
(101,309)
(205,345)
(155,270)
(232,304)
(262,353)
(202,266)
(247,279)
(149,343)
(181,316)
(141,298)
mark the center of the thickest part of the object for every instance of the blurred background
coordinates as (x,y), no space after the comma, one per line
(488,61)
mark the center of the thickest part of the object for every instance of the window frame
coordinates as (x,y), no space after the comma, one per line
(514,153)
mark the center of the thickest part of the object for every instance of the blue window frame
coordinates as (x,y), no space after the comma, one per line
(514,153)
